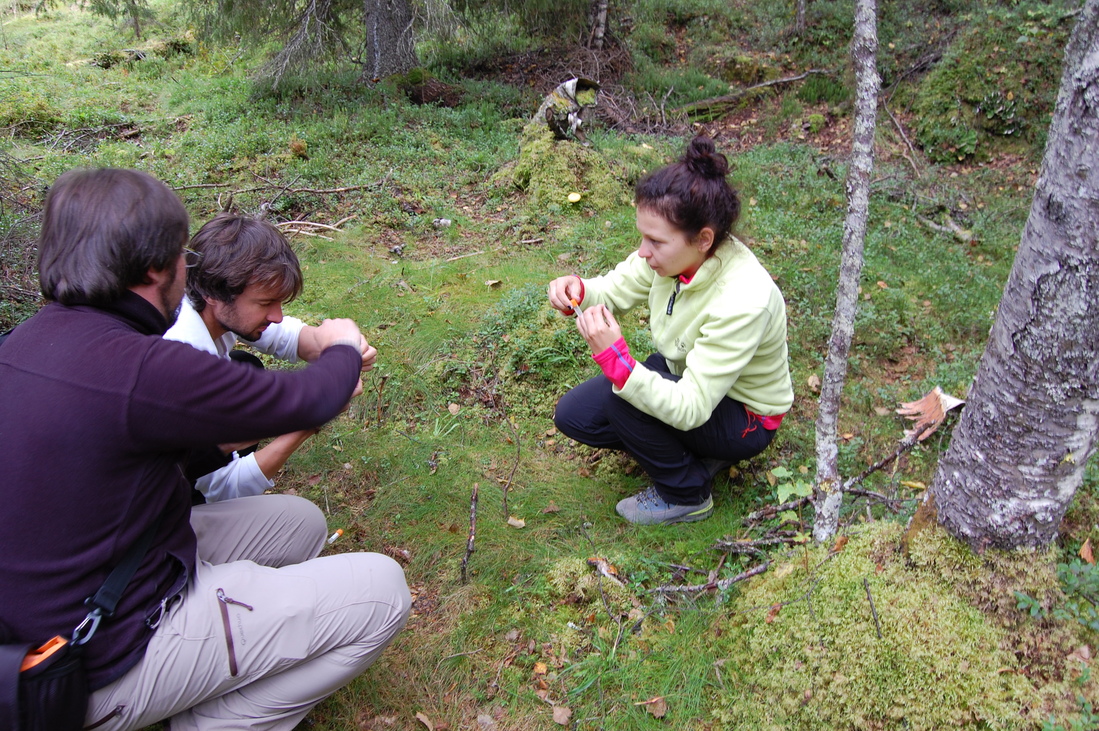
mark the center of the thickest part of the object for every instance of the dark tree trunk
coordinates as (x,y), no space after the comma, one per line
(826,492)
(390,42)
(1032,414)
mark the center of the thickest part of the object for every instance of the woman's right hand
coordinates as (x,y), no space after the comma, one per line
(563,290)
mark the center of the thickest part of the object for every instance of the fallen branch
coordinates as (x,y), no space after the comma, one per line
(952,228)
(752,547)
(472,531)
(717,105)
(719,585)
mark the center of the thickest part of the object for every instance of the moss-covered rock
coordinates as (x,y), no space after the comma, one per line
(817,661)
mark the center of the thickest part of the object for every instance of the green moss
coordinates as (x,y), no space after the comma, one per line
(820,664)
(996,84)
(548,170)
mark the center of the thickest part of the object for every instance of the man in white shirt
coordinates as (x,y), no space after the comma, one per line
(241,273)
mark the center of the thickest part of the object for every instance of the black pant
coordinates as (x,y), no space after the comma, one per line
(592,414)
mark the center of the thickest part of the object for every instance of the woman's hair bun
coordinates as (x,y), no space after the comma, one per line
(703,159)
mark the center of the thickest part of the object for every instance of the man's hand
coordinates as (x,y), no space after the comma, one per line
(340,331)
(311,343)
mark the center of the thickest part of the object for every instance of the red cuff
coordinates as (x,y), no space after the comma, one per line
(616,362)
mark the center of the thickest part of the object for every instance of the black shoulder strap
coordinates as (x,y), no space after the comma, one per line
(105,601)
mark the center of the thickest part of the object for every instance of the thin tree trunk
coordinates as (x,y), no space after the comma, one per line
(1032,415)
(390,41)
(826,492)
(799,19)
(599,28)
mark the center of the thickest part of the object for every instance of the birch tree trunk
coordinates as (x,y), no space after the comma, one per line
(799,18)
(827,497)
(390,42)
(599,27)
(1018,454)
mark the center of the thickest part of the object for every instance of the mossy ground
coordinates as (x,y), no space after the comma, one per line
(946,648)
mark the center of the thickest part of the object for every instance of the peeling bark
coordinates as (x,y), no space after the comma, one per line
(1018,454)
(827,496)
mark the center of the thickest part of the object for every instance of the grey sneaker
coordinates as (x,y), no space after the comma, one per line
(648,508)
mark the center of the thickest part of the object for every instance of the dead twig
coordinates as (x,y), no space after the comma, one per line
(514,467)
(772,510)
(381,385)
(873,610)
(472,531)
(709,585)
(900,129)
(753,547)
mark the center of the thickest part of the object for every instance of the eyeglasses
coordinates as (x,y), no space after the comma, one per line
(191,258)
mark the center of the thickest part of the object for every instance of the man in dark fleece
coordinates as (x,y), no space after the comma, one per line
(244,628)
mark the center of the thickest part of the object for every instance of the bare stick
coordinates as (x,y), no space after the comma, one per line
(772,510)
(309,224)
(873,610)
(906,444)
(904,137)
(472,531)
(201,185)
(381,385)
(730,99)
(464,256)
(719,585)
(507,485)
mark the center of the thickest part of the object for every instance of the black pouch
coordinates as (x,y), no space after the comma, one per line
(44,689)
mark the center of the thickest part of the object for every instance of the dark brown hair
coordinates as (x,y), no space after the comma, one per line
(238,251)
(693,194)
(103,230)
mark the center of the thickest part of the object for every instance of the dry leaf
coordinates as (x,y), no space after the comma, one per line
(914,485)
(1081,654)
(605,568)
(840,543)
(492,282)
(425,721)
(551,508)
(516,522)
(657,706)
(772,613)
(813,382)
(883,410)
(454,409)
(1085,552)
(928,412)
(540,668)
(561,715)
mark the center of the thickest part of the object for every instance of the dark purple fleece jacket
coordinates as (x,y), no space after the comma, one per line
(96,412)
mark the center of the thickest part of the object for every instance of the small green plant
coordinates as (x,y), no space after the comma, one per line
(1080,584)
(1088,720)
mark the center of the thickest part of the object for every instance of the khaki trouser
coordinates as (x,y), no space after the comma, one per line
(255,646)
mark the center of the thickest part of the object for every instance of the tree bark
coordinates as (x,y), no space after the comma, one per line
(827,496)
(799,18)
(1018,454)
(599,27)
(390,42)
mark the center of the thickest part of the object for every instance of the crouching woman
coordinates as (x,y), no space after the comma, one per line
(719,385)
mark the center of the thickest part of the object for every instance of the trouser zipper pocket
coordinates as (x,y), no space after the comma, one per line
(223,603)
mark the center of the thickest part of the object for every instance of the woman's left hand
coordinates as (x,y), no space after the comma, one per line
(599,328)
